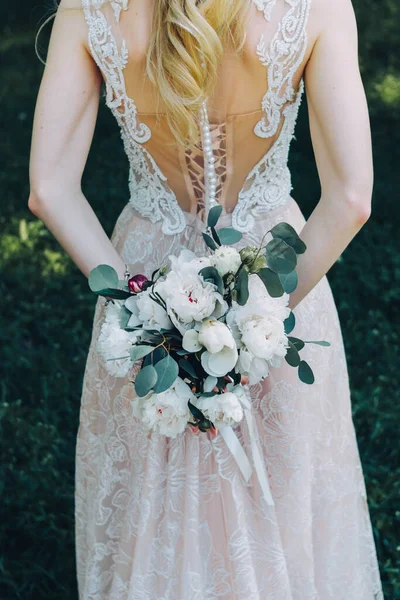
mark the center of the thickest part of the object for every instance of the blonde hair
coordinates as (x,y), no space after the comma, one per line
(185,49)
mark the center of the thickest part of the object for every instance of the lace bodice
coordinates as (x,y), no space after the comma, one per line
(266,182)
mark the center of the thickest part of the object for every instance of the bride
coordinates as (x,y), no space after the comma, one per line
(172,519)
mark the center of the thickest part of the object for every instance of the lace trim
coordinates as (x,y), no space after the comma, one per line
(148,194)
(283,56)
(268,185)
(266,7)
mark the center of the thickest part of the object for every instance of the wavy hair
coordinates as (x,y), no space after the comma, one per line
(186,47)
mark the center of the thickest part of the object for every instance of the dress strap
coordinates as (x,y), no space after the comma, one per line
(111,57)
(282,58)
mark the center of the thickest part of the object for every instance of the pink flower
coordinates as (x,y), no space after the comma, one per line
(136,283)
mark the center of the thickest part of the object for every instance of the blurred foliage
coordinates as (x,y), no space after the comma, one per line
(46,312)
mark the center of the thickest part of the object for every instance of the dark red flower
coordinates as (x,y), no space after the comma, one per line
(136,283)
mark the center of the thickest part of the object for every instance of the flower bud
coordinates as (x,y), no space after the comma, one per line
(253,258)
(137,283)
(248,254)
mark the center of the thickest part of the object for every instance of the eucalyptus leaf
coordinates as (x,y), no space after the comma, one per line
(228,235)
(242,287)
(289,323)
(211,274)
(158,354)
(305,373)
(213,215)
(113,293)
(272,282)
(124,317)
(138,352)
(145,380)
(103,277)
(292,356)
(289,281)
(209,241)
(281,258)
(215,235)
(299,344)
(188,367)
(321,343)
(285,232)
(196,412)
(167,372)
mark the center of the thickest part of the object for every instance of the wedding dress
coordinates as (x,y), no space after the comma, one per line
(173,519)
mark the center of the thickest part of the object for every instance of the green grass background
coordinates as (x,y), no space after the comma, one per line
(46,312)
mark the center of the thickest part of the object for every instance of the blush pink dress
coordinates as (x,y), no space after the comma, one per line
(173,519)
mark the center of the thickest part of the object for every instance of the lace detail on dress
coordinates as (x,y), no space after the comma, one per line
(283,56)
(266,7)
(149,193)
(269,183)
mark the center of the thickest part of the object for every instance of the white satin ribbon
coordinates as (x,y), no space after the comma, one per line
(239,454)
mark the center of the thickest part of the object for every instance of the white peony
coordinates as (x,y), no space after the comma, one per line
(259,332)
(261,303)
(190,299)
(146,312)
(226,260)
(166,413)
(222,409)
(221,353)
(214,335)
(187,262)
(115,343)
(264,343)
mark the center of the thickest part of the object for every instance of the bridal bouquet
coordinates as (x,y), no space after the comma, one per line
(197,326)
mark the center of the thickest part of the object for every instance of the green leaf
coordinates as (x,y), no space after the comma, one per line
(182,352)
(281,258)
(113,293)
(211,274)
(297,343)
(215,235)
(145,380)
(289,323)
(196,412)
(285,232)
(322,343)
(138,352)
(124,317)
(167,371)
(292,356)
(305,373)
(188,367)
(272,282)
(103,277)
(289,281)
(209,241)
(228,235)
(242,287)
(158,354)
(213,215)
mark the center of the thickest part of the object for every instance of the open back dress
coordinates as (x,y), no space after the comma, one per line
(173,519)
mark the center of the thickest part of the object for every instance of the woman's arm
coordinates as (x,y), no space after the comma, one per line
(64,122)
(340,131)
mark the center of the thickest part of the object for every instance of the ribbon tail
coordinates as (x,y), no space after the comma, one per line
(237,451)
(257,458)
